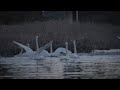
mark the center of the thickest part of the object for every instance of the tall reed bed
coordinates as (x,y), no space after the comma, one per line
(89,36)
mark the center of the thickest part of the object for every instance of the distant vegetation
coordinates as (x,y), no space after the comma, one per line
(89,36)
(17,17)
(94,30)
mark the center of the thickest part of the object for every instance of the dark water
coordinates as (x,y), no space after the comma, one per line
(59,69)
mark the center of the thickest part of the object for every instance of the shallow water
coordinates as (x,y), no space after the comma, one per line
(97,67)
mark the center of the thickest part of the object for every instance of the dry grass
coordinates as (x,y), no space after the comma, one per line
(89,36)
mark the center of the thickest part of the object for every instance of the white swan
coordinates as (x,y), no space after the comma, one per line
(29,52)
(74,55)
(75,49)
(41,52)
(36,40)
(61,51)
(51,49)
(27,49)
(23,49)
(66,52)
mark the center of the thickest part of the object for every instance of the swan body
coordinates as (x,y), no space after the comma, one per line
(61,51)
(74,55)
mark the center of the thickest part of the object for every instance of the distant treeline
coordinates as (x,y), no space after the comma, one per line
(15,17)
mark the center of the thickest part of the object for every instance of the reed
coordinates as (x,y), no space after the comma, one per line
(88,36)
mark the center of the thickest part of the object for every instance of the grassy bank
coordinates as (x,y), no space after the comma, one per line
(89,36)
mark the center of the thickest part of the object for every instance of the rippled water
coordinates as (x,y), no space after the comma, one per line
(56,68)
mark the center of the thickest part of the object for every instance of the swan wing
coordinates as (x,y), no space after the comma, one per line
(27,49)
(44,47)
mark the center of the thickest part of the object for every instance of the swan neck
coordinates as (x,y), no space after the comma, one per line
(51,49)
(74,43)
(66,43)
(36,39)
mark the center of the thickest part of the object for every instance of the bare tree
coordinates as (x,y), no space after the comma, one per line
(76,16)
(69,16)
